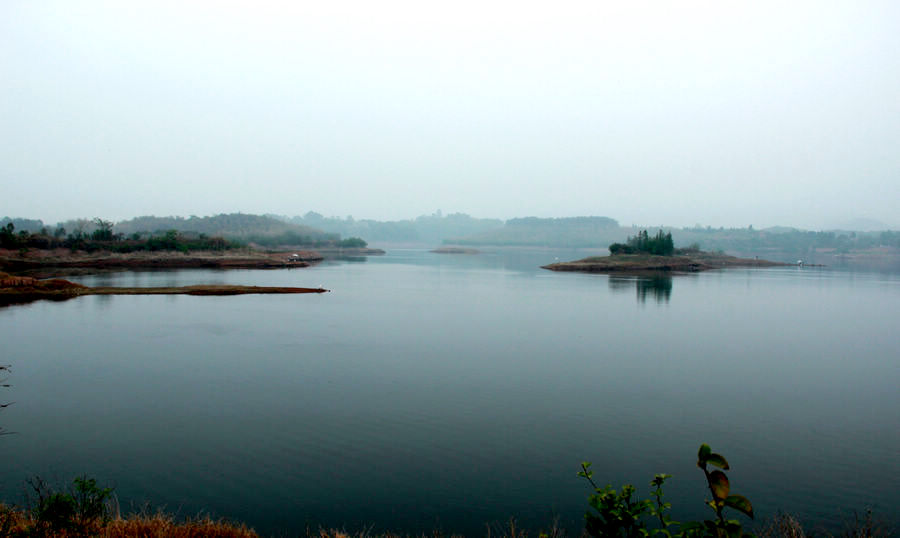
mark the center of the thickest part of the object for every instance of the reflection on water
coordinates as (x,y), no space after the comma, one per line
(658,287)
(16,300)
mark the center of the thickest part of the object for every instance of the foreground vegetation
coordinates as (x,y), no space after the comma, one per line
(87,509)
(618,514)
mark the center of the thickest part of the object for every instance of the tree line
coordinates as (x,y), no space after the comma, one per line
(103,237)
(660,245)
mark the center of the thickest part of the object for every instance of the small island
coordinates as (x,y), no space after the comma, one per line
(455,250)
(657,254)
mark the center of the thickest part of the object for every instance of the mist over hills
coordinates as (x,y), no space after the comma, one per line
(233,225)
(241,227)
(556,232)
(462,229)
(425,229)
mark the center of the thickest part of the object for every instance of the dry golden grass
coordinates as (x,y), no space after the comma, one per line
(17,523)
(160,525)
(782,526)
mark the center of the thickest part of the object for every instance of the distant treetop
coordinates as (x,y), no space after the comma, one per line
(642,243)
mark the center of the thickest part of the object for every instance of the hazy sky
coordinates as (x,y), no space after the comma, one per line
(720,112)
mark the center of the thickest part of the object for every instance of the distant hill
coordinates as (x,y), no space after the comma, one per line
(427,229)
(549,232)
(778,240)
(239,226)
(861,224)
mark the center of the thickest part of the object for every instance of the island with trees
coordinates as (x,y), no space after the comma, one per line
(644,253)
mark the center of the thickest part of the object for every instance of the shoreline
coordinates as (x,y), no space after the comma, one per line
(60,262)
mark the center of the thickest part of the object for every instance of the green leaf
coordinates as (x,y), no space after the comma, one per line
(703,454)
(719,485)
(740,503)
(718,460)
(586,471)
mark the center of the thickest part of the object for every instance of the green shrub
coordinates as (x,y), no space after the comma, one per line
(80,510)
(618,514)
(352,242)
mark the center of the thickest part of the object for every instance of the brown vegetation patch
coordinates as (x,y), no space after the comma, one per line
(19,523)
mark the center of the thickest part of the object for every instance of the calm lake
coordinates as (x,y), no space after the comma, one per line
(456,391)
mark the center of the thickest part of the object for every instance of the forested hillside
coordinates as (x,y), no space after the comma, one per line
(238,226)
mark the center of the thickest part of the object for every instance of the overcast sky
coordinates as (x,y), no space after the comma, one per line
(719,113)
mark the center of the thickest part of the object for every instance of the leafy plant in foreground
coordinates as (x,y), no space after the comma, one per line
(619,514)
(78,511)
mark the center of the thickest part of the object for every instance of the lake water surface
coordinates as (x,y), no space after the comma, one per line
(438,391)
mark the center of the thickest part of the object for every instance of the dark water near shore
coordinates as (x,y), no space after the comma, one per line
(453,391)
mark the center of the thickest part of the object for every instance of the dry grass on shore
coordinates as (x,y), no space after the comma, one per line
(15,523)
(18,524)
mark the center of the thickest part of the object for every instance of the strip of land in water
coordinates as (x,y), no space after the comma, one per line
(60,261)
(648,263)
(23,289)
(455,250)
(56,262)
